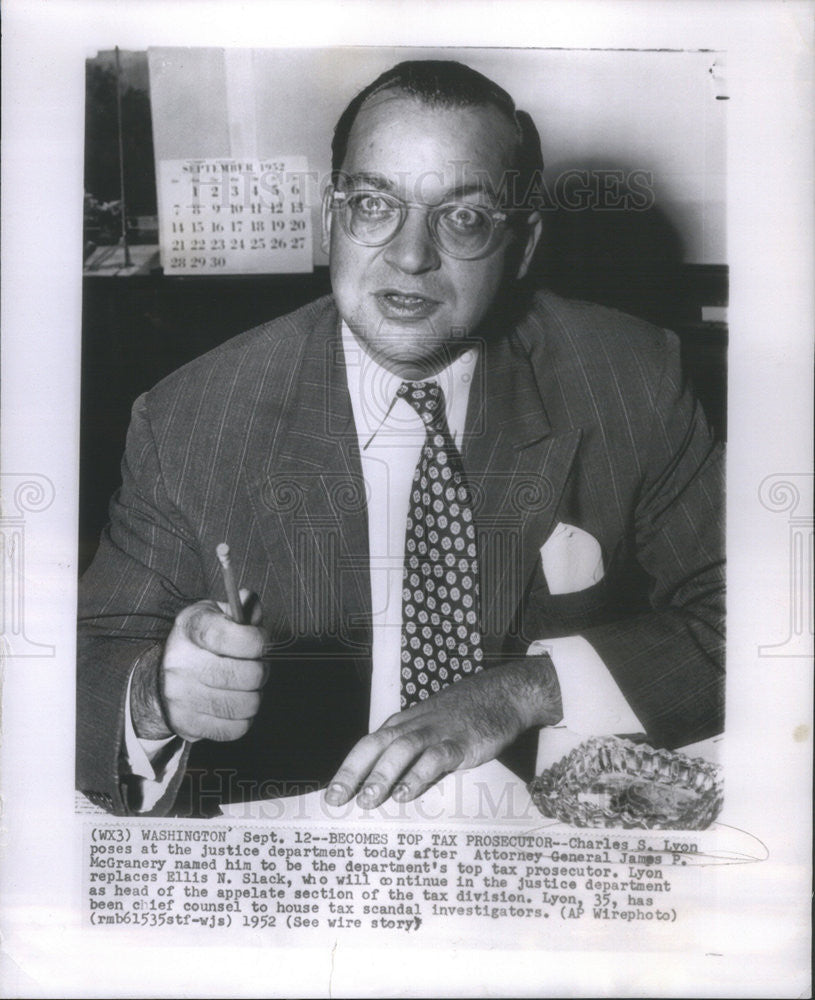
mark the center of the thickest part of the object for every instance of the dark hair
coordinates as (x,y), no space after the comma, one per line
(448,84)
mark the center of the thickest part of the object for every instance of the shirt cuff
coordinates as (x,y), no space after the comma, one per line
(593,704)
(141,757)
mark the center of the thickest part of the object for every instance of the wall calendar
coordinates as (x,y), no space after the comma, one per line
(234,216)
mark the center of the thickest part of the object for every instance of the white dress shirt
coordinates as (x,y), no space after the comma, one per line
(391,435)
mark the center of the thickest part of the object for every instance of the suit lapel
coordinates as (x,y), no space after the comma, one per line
(518,466)
(307,488)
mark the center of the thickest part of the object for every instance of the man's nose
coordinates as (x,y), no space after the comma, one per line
(412,250)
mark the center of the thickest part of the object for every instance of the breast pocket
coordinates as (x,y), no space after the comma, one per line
(548,616)
(582,604)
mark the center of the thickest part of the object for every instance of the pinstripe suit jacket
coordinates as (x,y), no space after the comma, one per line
(578,414)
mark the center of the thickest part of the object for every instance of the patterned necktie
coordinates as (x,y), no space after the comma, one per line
(441,640)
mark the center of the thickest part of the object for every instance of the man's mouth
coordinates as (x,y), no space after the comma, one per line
(396,304)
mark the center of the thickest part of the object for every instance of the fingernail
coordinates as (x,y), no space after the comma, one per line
(401,791)
(336,791)
(369,792)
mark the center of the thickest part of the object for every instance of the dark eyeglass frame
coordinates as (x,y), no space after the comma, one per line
(339,202)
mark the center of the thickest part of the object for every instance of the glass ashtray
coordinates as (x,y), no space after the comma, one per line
(612,782)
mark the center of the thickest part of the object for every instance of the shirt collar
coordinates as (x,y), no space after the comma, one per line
(373,388)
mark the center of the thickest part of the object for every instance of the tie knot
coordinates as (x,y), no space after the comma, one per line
(426,398)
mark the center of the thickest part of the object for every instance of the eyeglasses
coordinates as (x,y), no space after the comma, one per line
(459,229)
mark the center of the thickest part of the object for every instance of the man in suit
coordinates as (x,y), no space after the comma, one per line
(570,560)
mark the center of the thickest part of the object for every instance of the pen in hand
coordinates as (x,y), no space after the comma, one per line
(232,595)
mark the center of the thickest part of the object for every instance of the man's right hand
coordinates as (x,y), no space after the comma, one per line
(209,682)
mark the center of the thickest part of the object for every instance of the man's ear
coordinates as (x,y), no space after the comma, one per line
(534,228)
(326,218)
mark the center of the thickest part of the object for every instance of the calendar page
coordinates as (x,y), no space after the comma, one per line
(234,216)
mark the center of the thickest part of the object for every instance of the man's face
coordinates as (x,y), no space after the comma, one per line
(405,301)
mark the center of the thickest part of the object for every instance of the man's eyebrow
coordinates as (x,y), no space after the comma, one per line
(380,183)
(376,181)
(462,190)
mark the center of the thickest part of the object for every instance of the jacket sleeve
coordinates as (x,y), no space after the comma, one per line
(146,569)
(669,661)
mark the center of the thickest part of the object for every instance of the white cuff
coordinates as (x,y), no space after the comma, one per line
(593,705)
(139,757)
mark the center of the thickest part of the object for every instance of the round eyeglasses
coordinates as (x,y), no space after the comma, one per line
(459,229)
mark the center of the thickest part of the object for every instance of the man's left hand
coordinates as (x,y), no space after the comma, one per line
(462,726)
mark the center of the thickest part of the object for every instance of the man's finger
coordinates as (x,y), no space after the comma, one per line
(194,726)
(232,706)
(357,765)
(434,763)
(391,765)
(207,627)
(252,608)
(234,675)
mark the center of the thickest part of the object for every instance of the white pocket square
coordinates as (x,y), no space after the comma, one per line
(571,559)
